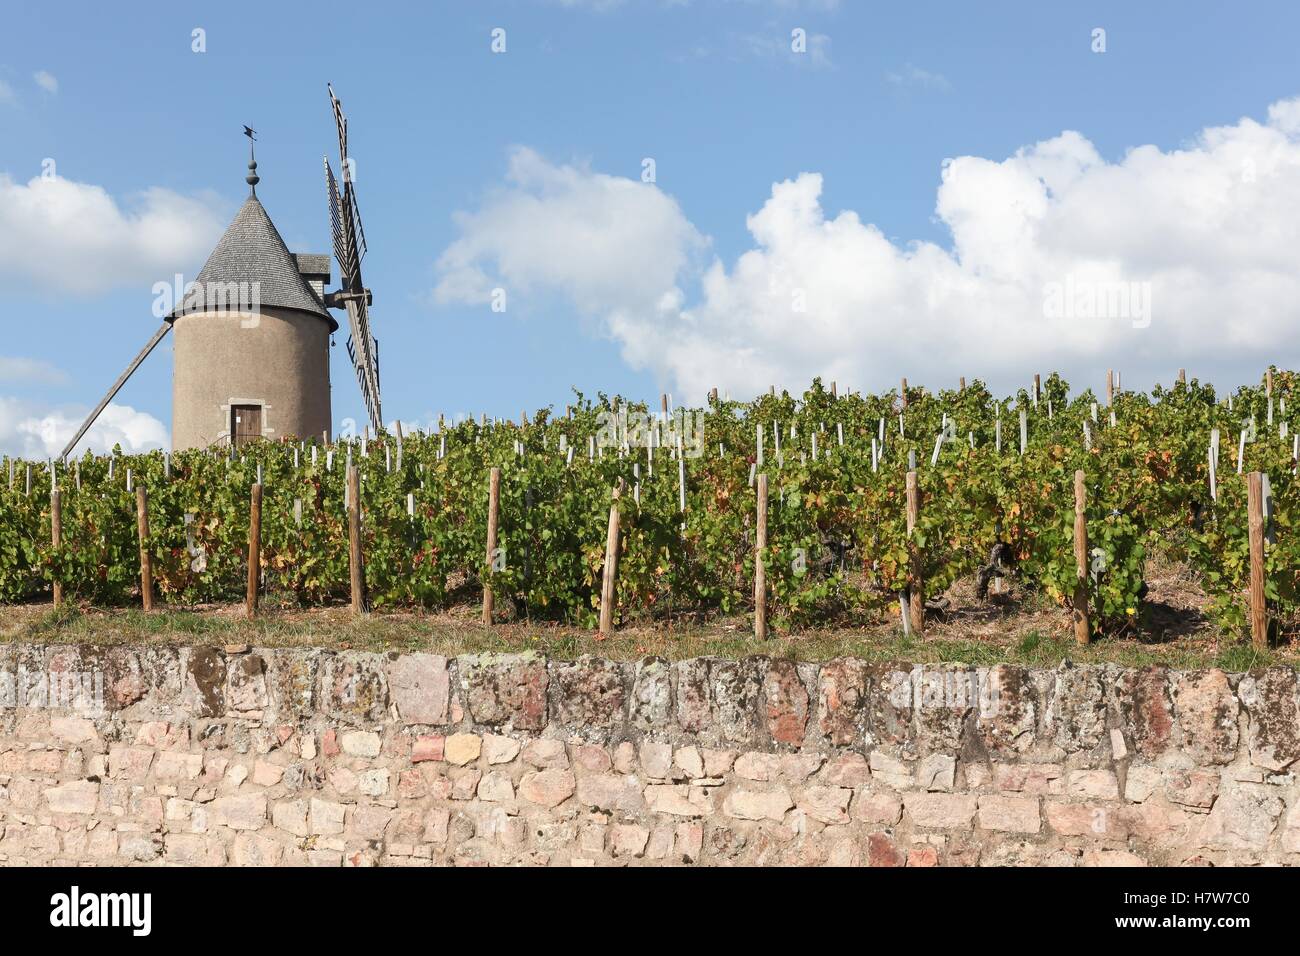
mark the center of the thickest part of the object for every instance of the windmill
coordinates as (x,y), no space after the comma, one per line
(349,250)
(252,333)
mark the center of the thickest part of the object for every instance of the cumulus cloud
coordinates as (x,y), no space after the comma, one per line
(7,94)
(29,430)
(605,242)
(1059,260)
(46,81)
(28,370)
(70,237)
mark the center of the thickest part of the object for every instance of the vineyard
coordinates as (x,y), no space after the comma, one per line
(994,502)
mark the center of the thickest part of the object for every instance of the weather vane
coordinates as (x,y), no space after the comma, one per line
(252,178)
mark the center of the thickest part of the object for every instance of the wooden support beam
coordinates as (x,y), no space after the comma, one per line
(117,387)
(1082,630)
(356,560)
(254,550)
(494,506)
(56,537)
(609,578)
(146,561)
(760,572)
(1255,529)
(915,586)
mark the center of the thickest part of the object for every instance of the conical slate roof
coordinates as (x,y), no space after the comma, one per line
(250,252)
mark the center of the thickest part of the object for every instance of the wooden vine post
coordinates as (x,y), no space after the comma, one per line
(915,588)
(56,537)
(902,391)
(1182,376)
(610,576)
(494,505)
(355,559)
(1082,631)
(1110,387)
(760,573)
(254,549)
(146,562)
(1258,605)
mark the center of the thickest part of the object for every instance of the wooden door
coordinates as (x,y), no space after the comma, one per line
(246,423)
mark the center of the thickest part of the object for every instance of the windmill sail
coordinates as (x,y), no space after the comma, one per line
(343,249)
(350,249)
(363,349)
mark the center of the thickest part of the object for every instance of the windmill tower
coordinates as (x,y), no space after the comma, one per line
(252,339)
(253,331)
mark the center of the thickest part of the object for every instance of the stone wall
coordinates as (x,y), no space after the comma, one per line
(248,756)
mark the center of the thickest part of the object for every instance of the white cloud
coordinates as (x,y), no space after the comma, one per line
(46,81)
(815,52)
(914,76)
(1212,227)
(30,370)
(825,6)
(7,94)
(598,5)
(602,241)
(34,431)
(603,5)
(70,237)
(1285,115)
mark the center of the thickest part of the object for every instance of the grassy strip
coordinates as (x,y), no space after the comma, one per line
(450,634)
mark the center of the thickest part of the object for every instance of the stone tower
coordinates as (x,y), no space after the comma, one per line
(252,340)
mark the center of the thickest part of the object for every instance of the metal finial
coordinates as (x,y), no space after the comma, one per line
(252,178)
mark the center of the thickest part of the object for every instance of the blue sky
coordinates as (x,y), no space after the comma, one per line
(584,92)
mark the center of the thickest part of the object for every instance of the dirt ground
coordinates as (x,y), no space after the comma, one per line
(1011,626)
